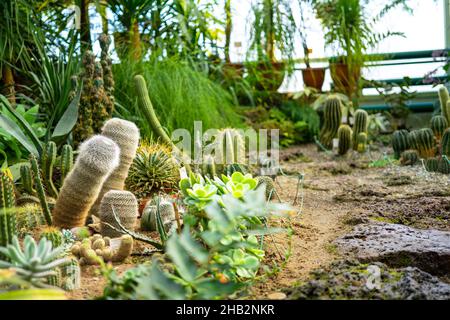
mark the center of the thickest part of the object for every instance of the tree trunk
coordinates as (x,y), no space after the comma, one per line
(228,27)
(85,26)
(270,45)
(8,81)
(135,49)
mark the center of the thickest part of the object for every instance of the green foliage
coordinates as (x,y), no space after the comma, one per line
(345,139)
(332,121)
(400,142)
(35,262)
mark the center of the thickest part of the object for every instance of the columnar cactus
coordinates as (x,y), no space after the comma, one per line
(55,280)
(126,135)
(432,164)
(66,163)
(229,146)
(332,121)
(438,125)
(412,139)
(97,158)
(148,219)
(40,189)
(361,140)
(29,217)
(426,143)
(72,275)
(400,142)
(209,167)
(444,165)
(26,179)
(345,139)
(409,158)
(106,62)
(124,205)
(269,185)
(445,143)
(360,126)
(48,159)
(53,235)
(8,227)
(444,101)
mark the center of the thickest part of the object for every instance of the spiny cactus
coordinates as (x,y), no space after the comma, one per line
(332,121)
(71,274)
(28,217)
(66,161)
(97,158)
(8,227)
(153,170)
(438,125)
(53,235)
(345,139)
(148,111)
(269,185)
(400,142)
(360,126)
(124,205)
(229,147)
(126,135)
(106,61)
(444,165)
(149,216)
(26,179)
(445,143)
(432,164)
(209,167)
(55,280)
(40,190)
(426,143)
(409,158)
(444,99)
(48,159)
(361,140)
(235,167)
(412,139)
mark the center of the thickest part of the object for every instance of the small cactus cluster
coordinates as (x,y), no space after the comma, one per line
(124,205)
(53,235)
(157,206)
(93,250)
(400,142)
(360,130)
(269,185)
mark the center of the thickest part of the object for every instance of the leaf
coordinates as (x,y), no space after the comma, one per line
(13,128)
(185,266)
(165,285)
(195,250)
(69,118)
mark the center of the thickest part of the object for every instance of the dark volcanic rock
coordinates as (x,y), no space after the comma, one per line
(399,246)
(353,280)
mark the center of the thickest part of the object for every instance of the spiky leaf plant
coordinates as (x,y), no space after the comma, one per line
(35,262)
(153,169)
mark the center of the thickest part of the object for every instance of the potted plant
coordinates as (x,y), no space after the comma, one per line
(312,77)
(350,31)
(273,29)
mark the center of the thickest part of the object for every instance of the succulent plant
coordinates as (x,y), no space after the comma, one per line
(345,139)
(36,262)
(409,158)
(269,185)
(426,143)
(149,216)
(125,207)
(432,164)
(400,142)
(153,170)
(8,227)
(361,140)
(438,125)
(26,179)
(444,99)
(332,121)
(97,158)
(53,235)
(360,126)
(126,135)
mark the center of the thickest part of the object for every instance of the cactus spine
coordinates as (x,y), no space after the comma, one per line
(53,235)
(400,142)
(126,135)
(332,121)
(360,126)
(426,143)
(444,99)
(27,179)
(48,159)
(409,158)
(438,125)
(66,163)
(124,205)
(345,139)
(445,143)
(97,158)
(8,227)
(147,109)
(362,142)
(40,190)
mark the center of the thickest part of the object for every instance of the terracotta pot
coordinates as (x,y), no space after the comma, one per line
(314,77)
(345,82)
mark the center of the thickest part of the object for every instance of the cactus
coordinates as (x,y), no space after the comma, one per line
(126,135)
(48,159)
(26,179)
(71,274)
(360,126)
(445,143)
(229,146)
(438,125)
(444,165)
(40,189)
(124,205)
(148,219)
(362,142)
(209,167)
(29,217)
(409,158)
(432,164)
(426,143)
(235,167)
(345,139)
(66,162)
(268,184)
(55,280)
(400,142)
(332,121)
(444,99)
(153,170)
(412,139)
(106,62)
(97,158)
(53,235)
(8,228)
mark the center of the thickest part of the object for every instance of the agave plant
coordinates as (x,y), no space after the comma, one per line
(36,262)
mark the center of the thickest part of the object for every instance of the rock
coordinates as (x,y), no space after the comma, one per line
(399,246)
(276,296)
